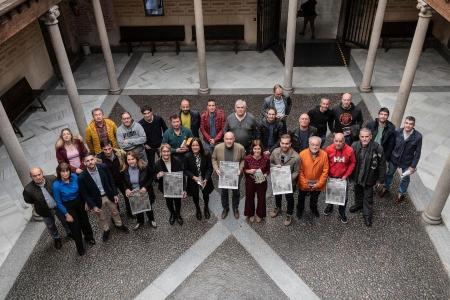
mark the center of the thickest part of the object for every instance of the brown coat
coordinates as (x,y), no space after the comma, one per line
(219,155)
(310,169)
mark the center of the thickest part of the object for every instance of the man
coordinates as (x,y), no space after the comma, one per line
(300,137)
(39,193)
(115,160)
(271,130)
(285,156)
(405,155)
(280,102)
(308,12)
(154,127)
(348,119)
(313,176)
(100,129)
(98,189)
(177,137)
(190,119)
(243,125)
(369,171)
(341,161)
(212,123)
(322,117)
(229,151)
(131,136)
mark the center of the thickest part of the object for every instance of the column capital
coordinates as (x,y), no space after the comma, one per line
(51,16)
(425,11)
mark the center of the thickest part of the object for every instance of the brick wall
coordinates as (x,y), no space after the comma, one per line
(25,55)
(401,10)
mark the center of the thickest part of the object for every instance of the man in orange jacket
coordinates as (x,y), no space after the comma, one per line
(313,175)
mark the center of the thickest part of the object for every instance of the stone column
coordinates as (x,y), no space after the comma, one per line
(290,45)
(201,51)
(104,41)
(373,47)
(13,148)
(425,15)
(51,20)
(432,215)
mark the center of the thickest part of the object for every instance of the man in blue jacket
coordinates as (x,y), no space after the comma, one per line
(98,189)
(406,155)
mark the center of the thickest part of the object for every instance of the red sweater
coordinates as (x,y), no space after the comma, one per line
(341,162)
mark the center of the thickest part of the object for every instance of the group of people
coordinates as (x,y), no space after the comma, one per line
(128,159)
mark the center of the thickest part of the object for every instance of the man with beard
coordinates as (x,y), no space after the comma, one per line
(348,119)
(300,137)
(131,136)
(189,118)
(281,103)
(321,117)
(271,130)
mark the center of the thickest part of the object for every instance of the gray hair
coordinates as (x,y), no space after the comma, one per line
(240,102)
(315,138)
(365,129)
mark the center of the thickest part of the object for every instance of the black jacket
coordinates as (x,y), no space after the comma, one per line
(32,194)
(89,190)
(176,166)
(190,170)
(407,153)
(269,102)
(375,164)
(145,180)
(348,119)
(321,120)
(277,132)
(387,139)
(154,130)
(297,141)
(195,122)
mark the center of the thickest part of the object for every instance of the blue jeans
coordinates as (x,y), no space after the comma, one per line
(404,181)
(51,226)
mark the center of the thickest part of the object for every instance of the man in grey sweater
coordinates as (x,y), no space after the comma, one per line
(131,136)
(243,125)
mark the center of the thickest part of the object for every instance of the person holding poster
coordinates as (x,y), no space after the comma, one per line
(256,169)
(313,175)
(229,151)
(285,156)
(341,160)
(166,164)
(137,177)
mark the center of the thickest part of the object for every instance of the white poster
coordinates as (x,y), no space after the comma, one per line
(281,180)
(336,191)
(173,185)
(229,175)
(139,202)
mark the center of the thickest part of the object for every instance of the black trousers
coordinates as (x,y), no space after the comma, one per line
(313,199)
(141,219)
(80,225)
(289,202)
(151,156)
(174,206)
(364,199)
(196,198)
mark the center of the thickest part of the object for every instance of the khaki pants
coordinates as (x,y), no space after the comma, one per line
(103,215)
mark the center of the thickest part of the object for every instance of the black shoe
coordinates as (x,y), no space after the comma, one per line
(81,252)
(172,219)
(299,214)
(343,219)
(105,236)
(225,213)
(236,213)
(206,213)
(58,244)
(180,220)
(315,212)
(123,228)
(355,208)
(198,214)
(328,210)
(368,221)
(90,241)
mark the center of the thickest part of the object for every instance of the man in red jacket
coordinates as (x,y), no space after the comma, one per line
(212,122)
(341,160)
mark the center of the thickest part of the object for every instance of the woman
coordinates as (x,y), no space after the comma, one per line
(166,164)
(198,170)
(66,194)
(71,151)
(137,176)
(256,169)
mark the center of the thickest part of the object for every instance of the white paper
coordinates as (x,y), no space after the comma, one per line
(229,178)
(336,191)
(281,180)
(173,185)
(139,202)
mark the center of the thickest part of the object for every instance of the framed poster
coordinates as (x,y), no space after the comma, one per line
(154,7)
(229,175)
(173,185)
(281,180)
(336,191)
(139,202)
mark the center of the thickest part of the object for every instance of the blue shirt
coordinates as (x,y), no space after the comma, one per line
(65,192)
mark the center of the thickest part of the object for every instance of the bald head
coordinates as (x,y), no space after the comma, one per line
(339,141)
(37,175)
(185,106)
(228,139)
(304,120)
(346,100)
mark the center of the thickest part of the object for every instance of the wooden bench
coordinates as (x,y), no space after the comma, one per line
(233,33)
(400,31)
(18,100)
(152,34)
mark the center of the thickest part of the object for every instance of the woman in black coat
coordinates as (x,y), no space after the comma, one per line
(138,176)
(198,169)
(166,164)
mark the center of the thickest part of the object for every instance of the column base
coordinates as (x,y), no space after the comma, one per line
(203,90)
(115,92)
(365,89)
(431,220)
